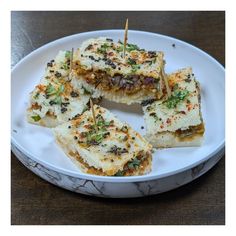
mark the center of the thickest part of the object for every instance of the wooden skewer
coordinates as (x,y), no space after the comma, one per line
(71,63)
(71,59)
(126,36)
(93,113)
(166,83)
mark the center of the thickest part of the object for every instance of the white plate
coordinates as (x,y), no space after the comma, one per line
(36,148)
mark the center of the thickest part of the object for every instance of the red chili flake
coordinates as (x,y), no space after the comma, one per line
(87,126)
(168,121)
(182,112)
(161,126)
(110,54)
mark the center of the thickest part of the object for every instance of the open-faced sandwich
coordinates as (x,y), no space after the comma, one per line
(105,146)
(101,67)
(176,121)
(55,99)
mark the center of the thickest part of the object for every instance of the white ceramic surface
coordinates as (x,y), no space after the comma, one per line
(33,144)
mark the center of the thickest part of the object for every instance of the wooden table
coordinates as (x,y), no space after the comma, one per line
(35,201)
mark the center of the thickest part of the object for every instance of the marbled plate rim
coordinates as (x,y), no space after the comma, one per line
(106,189)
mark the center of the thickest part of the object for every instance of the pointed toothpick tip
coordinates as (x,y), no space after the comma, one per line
(126,35)
(71,59)
(93,113)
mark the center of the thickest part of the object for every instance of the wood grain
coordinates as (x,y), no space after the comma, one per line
(35,201)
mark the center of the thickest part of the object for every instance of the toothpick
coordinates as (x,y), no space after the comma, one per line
(166,83)
(71,59)
(93,113)
(71,64)
(126,36)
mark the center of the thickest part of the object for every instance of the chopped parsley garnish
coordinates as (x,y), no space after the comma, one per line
(86,91)
(50,90)
(36,96)
(60,90)
(68,54)
(129,47)
(120,48)
(57,100)
(119,173)
(133,64)
(36,118)
(103,48)
(135,68)
(65,66)
(94,137)
(134,164)
(176,97)
(131,61)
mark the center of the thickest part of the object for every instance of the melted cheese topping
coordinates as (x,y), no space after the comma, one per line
(159,117)
(105,55)
(101,156)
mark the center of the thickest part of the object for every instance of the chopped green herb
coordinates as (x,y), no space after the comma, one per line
(68,54)
(131,61)
(85,109)
(134,164)
(50,90)
(176,86)
(135,68)
(86,91)
(65,66)
(36,118)
(36,96)
(57,101)
(176,97)
(103,48)
(60,90)
(119,173)
(120,48)
(130,47)
(94,137)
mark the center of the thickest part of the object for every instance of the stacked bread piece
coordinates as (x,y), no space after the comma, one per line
(90,135)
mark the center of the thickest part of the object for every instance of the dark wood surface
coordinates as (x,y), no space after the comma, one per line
(35,201)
